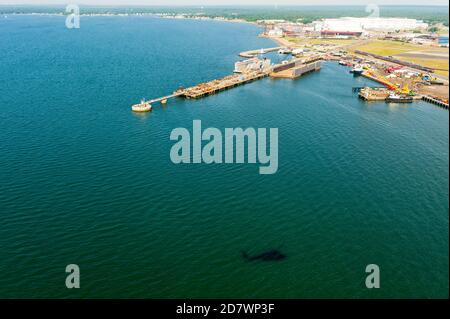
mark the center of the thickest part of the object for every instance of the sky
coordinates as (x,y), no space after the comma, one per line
(229,2)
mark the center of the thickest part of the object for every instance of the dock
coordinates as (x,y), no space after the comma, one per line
(212,87)
(293,69)
(253,53)
(228,82)
(435,101)
(373,94)
(297,68)
(357,89)
(379,79)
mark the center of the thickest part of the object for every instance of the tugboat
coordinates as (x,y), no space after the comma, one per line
(357,70)
(142,107)
(395,98)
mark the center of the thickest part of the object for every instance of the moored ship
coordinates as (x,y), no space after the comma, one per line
(396,98)
(284,51)
(357,70)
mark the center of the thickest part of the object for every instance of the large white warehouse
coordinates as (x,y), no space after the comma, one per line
(368,24)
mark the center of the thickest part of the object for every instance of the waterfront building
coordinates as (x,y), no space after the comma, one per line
(276,32)
(361,25)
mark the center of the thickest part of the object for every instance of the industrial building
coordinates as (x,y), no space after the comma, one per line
(358,26)
(253,64)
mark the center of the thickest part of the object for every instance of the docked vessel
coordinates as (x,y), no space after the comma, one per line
(395,98)
(284,51)
(297,52)
(342,62)
(357,70)
(142,107)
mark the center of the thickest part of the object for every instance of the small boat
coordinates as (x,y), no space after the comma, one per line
(396,98)
(357,70)
(164,101)
(342,62)
(298,52)
(142,107)
(284,51)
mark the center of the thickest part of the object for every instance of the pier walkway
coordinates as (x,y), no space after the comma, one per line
(234,80)
(160,99)
(253,53)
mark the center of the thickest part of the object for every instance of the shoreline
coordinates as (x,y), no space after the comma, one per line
(281,41)
(200,18)
(154,15)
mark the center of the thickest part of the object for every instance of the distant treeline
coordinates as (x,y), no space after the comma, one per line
(306,14)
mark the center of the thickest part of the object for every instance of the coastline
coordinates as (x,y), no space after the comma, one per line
(154,15)
(164,230)
(219,19)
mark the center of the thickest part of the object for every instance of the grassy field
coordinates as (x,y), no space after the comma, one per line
(386,48)
(430,63)
(305,41)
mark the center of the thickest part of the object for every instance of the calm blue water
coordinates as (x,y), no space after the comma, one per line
(85,181)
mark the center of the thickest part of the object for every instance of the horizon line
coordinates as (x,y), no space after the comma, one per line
(224,5)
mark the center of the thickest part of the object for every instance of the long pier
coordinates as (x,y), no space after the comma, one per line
(215,86)
(253,53)
(223,84)
(234,80)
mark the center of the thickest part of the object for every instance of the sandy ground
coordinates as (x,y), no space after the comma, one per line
(283,42)
(439,91)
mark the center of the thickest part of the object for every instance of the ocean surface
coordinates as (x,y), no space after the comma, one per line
(85,181)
